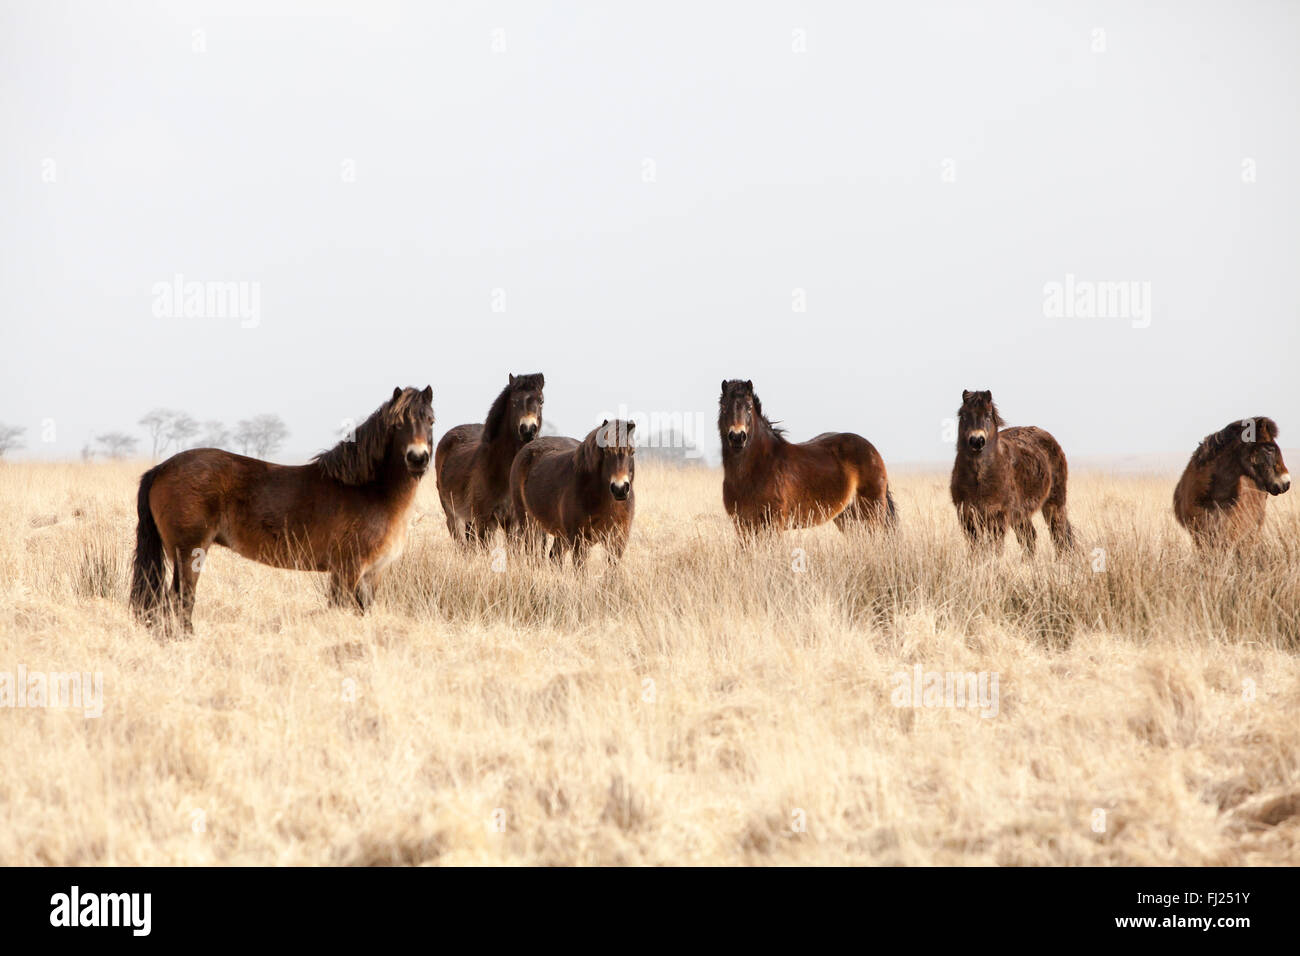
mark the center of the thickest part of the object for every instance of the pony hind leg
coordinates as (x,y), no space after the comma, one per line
(1058,522)
(187,565)
(870,512)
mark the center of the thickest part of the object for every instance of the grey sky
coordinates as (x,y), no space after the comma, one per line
(773,170)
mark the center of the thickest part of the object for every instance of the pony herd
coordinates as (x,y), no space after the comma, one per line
(346,512)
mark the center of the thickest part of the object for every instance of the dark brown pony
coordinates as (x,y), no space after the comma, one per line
(1003,475)
(769,482)
(344,513)
(472,464)
(578,491)
(1221,496)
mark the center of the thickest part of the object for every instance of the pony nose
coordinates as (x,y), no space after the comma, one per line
(1283,484)
(417,458)
(976,442)
(737,438)
(620,490)
(527,431)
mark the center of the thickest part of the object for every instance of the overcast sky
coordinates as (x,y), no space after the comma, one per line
(637,199)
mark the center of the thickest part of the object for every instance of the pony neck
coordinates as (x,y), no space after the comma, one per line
(759,447)
(1226,477)
(394,475)
(588,480)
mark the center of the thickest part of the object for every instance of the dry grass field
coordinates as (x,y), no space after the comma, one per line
(700,704)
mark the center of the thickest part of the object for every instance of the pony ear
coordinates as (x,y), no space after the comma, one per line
(965,395)
(986,394)
(428,394)
(512,380)
(541,380)
(397,393)
(724,386)
(749,385)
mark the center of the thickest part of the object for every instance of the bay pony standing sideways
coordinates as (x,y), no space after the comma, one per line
(1003,475)
(769,482)
(472,464)
(578,491)
(1221,496)
(345,512)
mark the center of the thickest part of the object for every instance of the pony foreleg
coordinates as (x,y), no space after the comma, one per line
(614,545)
(1027,535)
(580,547)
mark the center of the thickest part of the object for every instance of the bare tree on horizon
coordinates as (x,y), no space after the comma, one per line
(261,435)
(10,438)
(214,435)
(117,445)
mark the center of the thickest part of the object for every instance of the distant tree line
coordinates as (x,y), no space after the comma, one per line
(669,446)
(170,430)
(260,436)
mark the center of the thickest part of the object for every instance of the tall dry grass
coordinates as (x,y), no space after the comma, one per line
(701,703)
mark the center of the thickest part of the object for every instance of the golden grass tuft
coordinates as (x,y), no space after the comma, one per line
(701,703)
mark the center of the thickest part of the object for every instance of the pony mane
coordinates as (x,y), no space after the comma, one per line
(356,460)
(496,416)
(588,451)
(1213,445)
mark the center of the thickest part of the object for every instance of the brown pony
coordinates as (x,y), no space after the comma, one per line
(472,464)
(771,483)
(578,491)
(1003,475)
(344,513)
(1221,496)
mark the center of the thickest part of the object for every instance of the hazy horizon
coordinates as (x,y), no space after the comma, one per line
(862,209)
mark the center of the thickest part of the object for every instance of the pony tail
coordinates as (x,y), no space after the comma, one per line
(147,578)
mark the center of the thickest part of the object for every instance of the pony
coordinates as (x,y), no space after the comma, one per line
(771,483)
(472,463)
(578,491)
(1221,495)
(1003,475)
(345,512)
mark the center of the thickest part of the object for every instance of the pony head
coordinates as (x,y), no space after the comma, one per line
(978,421)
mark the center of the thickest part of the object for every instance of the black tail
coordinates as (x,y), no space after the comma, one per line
(891,513)
(148,573)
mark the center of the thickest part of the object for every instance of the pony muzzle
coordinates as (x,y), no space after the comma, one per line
(417,457)
(528,426)
(620,489)
(736,437)
(1280,484)
(976,440)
